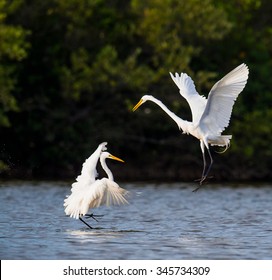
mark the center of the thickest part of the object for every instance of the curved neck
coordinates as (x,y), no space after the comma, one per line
(106,169)
(183,125)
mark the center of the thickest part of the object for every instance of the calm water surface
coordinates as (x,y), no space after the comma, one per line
(162,221)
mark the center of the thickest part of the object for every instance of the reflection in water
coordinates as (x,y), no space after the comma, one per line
(164,221)
(98,234)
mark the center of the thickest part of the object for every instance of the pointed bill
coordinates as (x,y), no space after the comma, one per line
(115,158)
(137,105)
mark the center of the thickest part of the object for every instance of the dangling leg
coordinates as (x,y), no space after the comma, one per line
(93,216)
(209,168)
(204,172)
(85,223)
(202,146)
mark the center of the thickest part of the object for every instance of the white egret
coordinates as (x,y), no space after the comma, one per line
(210,116)
(88,192)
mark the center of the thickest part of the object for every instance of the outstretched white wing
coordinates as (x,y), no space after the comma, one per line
(88,172)
(222,96)
(101,192)
(105,192)
(187,89)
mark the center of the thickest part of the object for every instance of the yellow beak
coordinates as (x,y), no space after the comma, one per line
(115,158)
(137,105)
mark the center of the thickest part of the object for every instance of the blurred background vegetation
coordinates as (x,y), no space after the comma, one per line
(71,71)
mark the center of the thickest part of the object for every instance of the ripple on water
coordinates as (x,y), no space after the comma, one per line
(162,221)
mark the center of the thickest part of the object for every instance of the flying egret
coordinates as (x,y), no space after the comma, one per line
(210,116)
(88,192)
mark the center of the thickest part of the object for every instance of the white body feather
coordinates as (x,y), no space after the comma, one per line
(87,192)
(210,116)
(187,89)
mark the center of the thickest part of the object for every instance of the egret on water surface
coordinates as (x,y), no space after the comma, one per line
(88,192)
(210,116)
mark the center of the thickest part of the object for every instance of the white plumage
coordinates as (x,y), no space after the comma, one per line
(187,89)
(88,192)
(88,171)
(222,96)
(210,116)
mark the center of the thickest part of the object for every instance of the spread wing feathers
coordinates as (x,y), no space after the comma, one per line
(101,192)
(187,89)
(88,172)
(222,96)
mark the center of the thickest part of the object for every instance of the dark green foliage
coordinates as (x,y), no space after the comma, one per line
(71,71)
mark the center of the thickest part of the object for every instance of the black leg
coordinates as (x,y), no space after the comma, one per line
(208,170)
(202,146)
(204,167)
(85,223)
(211,163)
(205,173)
(204,164)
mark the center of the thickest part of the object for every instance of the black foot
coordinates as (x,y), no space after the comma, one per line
(87,216)
(198,180)
(201,182)
(196,189)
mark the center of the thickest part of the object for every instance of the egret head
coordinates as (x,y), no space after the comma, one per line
(105,155)
(142,101)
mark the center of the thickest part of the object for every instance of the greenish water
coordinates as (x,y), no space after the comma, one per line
(162,221)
